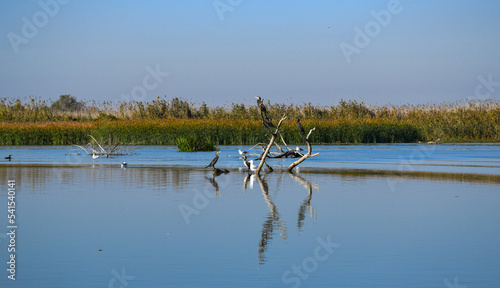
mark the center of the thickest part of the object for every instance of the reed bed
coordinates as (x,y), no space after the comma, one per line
(216,132)
(163,121)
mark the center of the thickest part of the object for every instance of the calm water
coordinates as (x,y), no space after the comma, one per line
(164,222)
(455,158)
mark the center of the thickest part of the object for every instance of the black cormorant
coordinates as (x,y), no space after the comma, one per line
(262,108)
(246,162)
(212,164)
(267,122)
(301,129)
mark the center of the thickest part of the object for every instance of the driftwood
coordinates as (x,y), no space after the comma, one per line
(111,150)
(307,155)
(268,124)
(273,138)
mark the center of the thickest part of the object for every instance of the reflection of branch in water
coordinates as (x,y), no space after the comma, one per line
(306,204)
(272,220)
(214,184)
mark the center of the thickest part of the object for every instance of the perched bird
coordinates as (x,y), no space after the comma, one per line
(263,113)
(9,157)
(298,149)
(262,108)
(212,164)
(252,166)
(247,164)
(124,165)
(267,122)
(242,153)
(301,129)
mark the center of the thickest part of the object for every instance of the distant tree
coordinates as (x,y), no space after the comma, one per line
(67,103)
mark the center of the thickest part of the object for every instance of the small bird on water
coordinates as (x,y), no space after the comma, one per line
(212,164)
(124,165)
(9,157)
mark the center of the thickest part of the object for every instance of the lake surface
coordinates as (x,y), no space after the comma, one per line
(483,158)
(166,222)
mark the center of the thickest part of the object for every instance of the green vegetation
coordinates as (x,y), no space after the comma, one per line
(175,121)
(193,143)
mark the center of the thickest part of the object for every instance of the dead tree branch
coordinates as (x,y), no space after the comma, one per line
(307,155)
(273,138)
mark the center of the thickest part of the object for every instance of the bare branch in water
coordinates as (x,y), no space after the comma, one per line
(307,155)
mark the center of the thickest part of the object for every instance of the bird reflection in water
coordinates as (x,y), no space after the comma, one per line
(214,184)
(217,172)
(273,221)
(248,181)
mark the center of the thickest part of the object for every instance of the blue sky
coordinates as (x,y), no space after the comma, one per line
(226,51)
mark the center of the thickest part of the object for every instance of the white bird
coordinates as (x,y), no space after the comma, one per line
(94,156)
(298,149)
(124,165)
(242,153)
(252,166)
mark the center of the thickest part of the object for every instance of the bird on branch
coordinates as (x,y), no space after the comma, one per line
(301,129)
(212,164)
(262,108)
(267,122)
(263,113)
